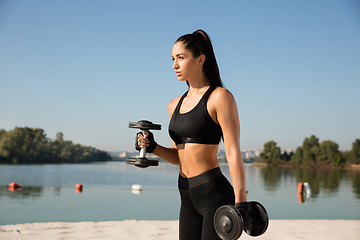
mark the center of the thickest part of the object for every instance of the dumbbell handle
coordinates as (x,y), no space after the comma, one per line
(143,150)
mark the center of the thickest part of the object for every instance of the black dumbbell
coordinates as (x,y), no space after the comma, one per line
(142,161)
(230,221)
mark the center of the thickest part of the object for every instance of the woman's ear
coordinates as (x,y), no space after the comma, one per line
(201,60)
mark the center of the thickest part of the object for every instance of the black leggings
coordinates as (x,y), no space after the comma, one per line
(201,196)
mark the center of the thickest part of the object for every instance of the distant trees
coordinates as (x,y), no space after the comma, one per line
(28,145)
(355,152)
(312,152)
(271,153)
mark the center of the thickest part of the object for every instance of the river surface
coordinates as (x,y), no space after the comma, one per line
(48,192)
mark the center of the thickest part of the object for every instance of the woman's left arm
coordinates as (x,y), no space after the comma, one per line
(228,118)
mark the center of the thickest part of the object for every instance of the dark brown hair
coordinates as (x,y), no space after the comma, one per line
(199,43)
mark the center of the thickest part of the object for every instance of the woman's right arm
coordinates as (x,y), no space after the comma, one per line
(168,154)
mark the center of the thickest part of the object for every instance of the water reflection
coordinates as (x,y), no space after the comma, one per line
(326,180)
(57,191)
(48,192)
(323,182)
(21,193)
(28,192)
(271,177)
(354,176)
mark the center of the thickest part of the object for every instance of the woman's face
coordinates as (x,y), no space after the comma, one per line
(186,66)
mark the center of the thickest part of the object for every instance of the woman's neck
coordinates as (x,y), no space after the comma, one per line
(198,84)
(197,90)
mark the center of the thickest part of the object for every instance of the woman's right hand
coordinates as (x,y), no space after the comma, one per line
(145,140)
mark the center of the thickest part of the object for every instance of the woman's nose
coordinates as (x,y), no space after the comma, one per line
(175,65)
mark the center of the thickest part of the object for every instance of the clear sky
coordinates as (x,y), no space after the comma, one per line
(87,68)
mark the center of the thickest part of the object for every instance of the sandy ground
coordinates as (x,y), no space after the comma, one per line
(161,230)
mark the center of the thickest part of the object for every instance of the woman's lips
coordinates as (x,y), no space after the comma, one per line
(177,73)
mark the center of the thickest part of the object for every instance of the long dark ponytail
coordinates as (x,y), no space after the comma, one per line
(199,43)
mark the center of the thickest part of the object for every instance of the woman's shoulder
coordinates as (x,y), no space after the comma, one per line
(172,105)
(221,95)
(175,101)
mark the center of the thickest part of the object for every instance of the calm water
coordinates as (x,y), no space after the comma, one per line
(48,192)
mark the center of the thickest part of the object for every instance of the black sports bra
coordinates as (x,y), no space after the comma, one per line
(195,126)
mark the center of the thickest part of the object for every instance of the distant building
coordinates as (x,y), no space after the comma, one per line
(221,154)
(244,153)
(257,152)
(288,151)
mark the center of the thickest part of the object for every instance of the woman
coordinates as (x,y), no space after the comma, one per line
(199,119)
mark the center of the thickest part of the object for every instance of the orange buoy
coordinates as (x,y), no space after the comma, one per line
(78,190)
(300,198)
(79,186)
(300,188)
(14,185)
(300,192)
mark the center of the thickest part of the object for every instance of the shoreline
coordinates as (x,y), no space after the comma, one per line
(314,166)
(161,230)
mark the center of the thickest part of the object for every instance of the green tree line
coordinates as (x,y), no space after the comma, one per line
(28,145)
(313,153)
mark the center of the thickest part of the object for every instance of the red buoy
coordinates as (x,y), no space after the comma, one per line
(14,185)
(79,186)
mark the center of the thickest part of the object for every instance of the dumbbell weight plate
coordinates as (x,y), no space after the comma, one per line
(142,162)
(144,125)
(228,222)
(260,219)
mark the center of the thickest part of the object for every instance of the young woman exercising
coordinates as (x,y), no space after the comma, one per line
(199,119)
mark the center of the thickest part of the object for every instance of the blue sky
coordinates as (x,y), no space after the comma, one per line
(87,68)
